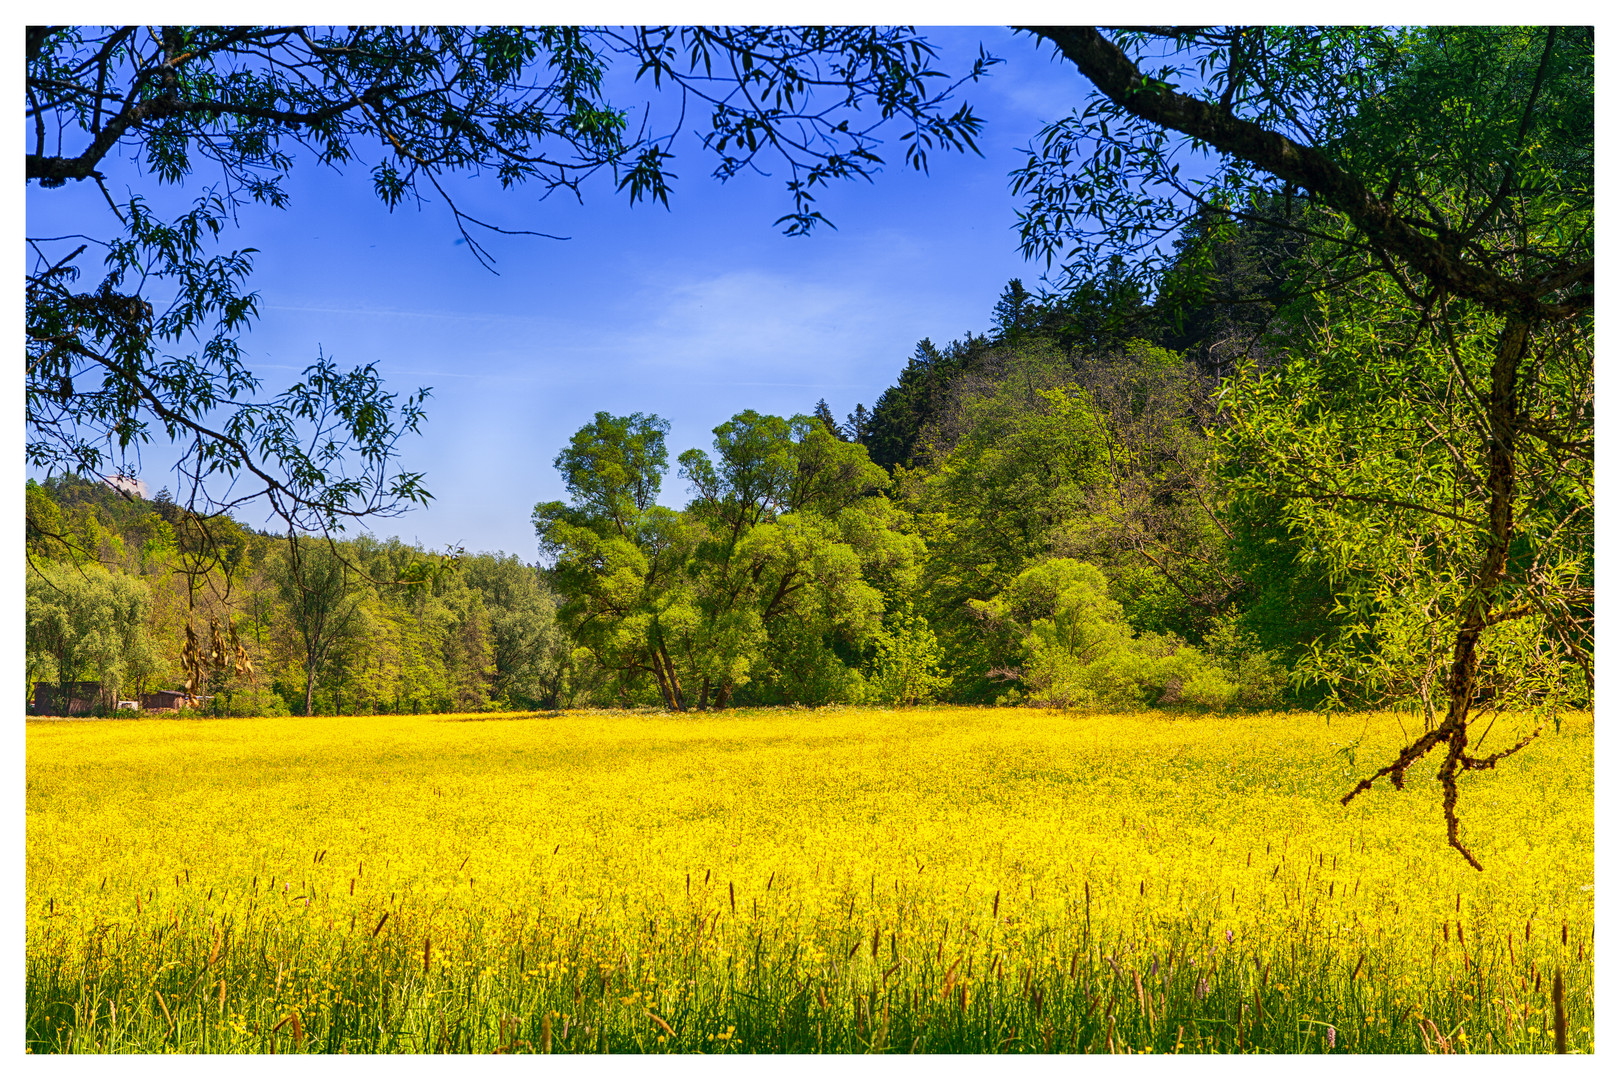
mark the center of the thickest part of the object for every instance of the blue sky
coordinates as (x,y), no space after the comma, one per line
(693,313)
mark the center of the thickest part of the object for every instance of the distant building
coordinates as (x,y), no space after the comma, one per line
(164,700)
(88,697)
(70,699)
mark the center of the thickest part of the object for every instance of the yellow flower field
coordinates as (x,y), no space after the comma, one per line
(933,880)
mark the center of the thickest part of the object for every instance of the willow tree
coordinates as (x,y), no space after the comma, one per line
(1443,181)
(798,552)
(615,554)
(87,621)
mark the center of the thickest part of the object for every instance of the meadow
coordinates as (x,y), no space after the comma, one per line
(833,881)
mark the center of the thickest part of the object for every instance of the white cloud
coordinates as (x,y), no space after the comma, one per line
(773,327)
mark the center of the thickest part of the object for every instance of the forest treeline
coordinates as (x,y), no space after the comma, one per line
(141,595)
(1074,508)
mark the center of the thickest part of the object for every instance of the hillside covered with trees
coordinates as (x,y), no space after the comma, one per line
(1061,511)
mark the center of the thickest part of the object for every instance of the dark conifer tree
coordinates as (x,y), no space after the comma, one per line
(859,425)
(163,503)
(1015,313)
(825,415)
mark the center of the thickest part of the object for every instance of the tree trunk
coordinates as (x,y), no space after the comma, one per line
(62,695)
(1502,419)
(663,683)
(674,680)
(1501,464)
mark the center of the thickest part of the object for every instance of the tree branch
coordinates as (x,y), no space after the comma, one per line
(1113,73)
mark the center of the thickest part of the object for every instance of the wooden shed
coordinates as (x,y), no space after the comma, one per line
(69,699)
(164,700)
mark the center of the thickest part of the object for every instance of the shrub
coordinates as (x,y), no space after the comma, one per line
(906,669)
(250,701)
(1257,678)
(1081,653)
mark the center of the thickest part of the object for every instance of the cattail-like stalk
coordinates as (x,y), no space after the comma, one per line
(1560,1021)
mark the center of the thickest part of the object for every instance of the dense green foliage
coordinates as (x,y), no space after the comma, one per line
(780,562)
(87,624)
(1089,530)
(278,626)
